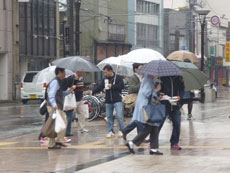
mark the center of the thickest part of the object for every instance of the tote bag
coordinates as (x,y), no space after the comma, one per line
(154,113)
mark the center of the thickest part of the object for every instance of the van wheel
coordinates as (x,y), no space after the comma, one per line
(24,101)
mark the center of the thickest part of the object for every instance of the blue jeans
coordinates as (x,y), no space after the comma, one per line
(118,106)
(175,117)
(134,124)
(69,116)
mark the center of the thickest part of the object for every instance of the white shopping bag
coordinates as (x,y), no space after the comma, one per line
(59,122)
(85,108)
(69,102)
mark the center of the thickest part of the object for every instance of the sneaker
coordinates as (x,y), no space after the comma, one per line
(130,147)
(44,140)
(189,117)
(84,130)
(67,140)
(110,135)
(120,134)
(176,147)
(153,152)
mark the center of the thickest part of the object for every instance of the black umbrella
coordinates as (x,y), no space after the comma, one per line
(76,63)
(161,68)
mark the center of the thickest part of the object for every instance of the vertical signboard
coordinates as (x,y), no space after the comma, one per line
(227,52)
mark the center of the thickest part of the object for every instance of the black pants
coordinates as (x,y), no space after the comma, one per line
(154,134)
(134,124)
(190,104)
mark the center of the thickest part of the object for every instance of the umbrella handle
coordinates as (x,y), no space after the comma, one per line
(115,75)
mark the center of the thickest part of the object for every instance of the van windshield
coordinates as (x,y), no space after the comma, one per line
(29,77)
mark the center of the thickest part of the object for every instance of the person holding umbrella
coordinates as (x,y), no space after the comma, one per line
(113,84)
(148,92)
(188,98)
(173,86)
(134,86)
(55,103)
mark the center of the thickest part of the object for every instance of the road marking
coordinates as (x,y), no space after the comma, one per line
(7,143)
(112,147)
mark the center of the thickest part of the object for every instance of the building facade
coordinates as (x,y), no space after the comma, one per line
(6,50)
(103,29)
(38,34)
(176,30)
(215,39)
(146,24)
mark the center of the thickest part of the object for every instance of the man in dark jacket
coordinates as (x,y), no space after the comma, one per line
(113,84)
(173,87)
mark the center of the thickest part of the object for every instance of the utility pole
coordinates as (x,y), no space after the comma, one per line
(71,26)
(57,30)
(191,26)
(77,30)
(16,64)
(177,39)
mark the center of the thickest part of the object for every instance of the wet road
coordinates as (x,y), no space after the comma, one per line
(18,119)
(205,141)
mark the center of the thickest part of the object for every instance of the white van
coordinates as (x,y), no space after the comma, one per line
(31,91)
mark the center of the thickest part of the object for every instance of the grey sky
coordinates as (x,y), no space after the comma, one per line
(174,3)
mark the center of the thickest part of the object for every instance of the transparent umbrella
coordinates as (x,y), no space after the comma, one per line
(119,66)
(76,63)
(48,74)
(143,56)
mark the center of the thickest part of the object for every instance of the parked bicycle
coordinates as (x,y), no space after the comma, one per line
(97,105)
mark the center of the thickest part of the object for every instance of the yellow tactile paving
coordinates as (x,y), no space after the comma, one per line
(86,146)
(100,144)
(7,143)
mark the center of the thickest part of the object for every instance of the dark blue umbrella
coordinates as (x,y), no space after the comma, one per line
(161,68)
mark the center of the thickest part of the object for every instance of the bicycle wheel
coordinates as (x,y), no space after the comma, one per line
(102,107)
(94,107)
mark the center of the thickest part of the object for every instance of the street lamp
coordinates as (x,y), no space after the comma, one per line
(202,16)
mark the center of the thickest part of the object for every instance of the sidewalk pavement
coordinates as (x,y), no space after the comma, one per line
(205,141)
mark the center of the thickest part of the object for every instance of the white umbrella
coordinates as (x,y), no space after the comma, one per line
(119,66)
(143,56)
(48,74)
